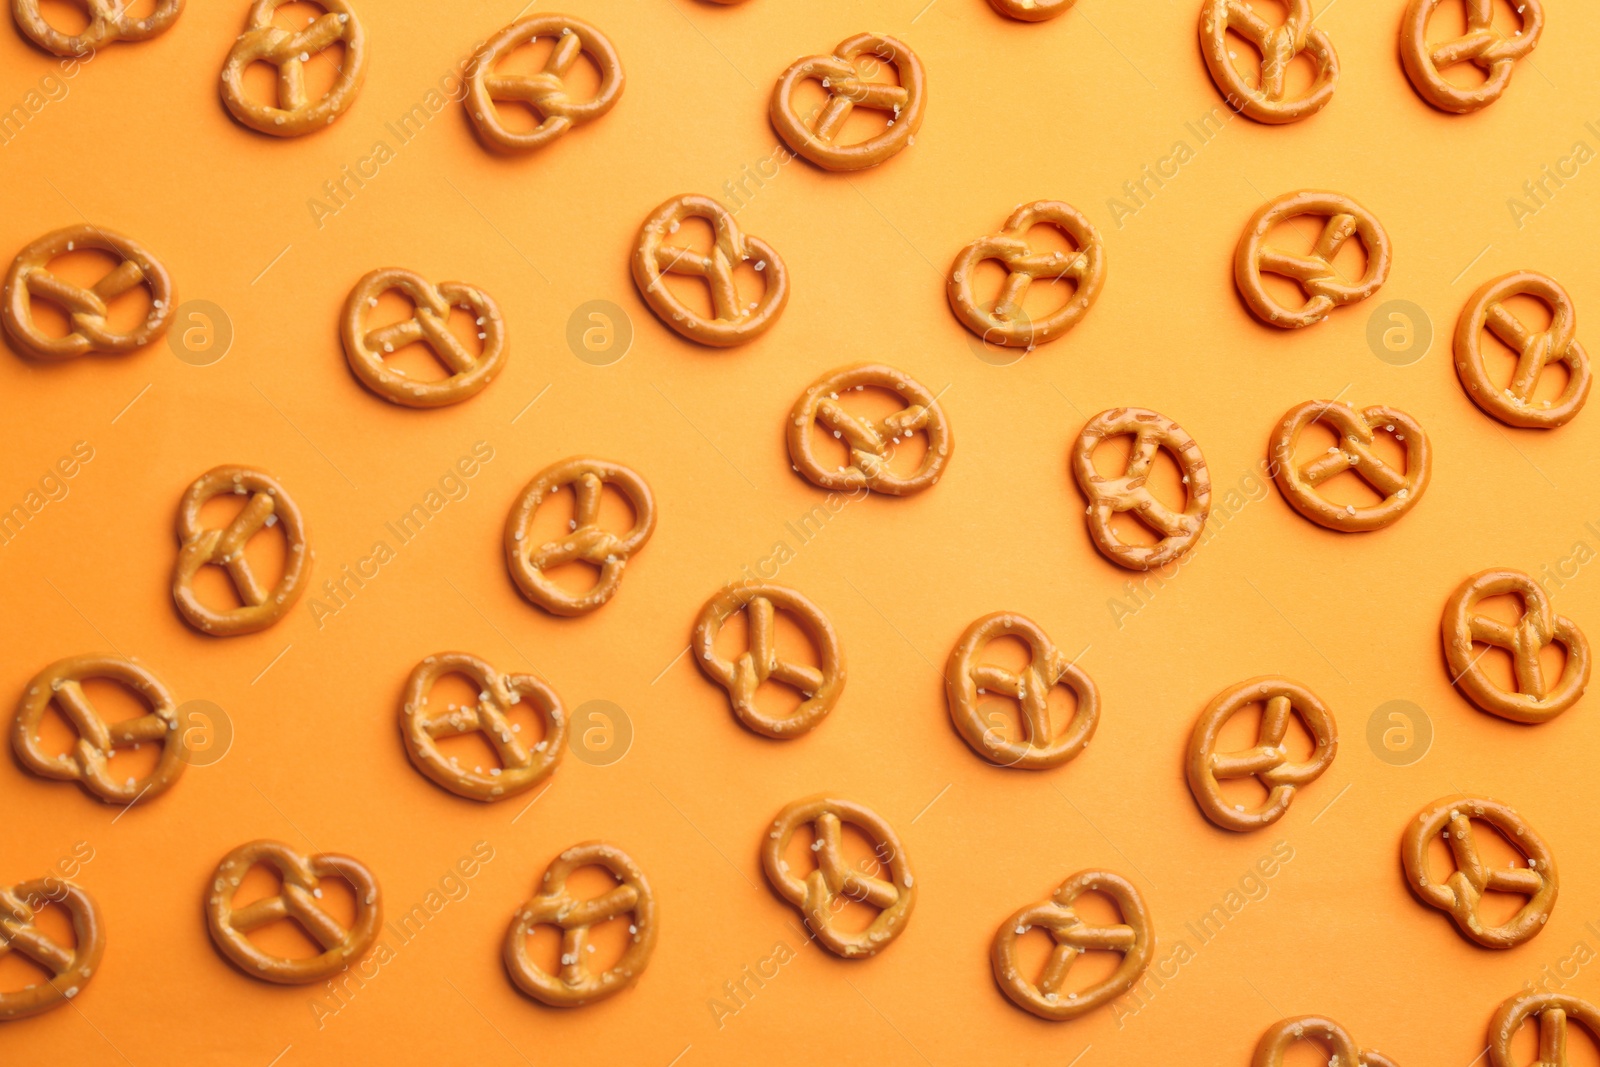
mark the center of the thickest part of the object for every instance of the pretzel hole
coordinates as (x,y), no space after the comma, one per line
(1582,1045)
(581,82)
(860,853)
(1310,1052)
(85,267)
(18,971)
(286,938)
(794,645)
(70,16)
(418,360)
(1496,853)
(266,552)
(870,405)
(1450,22)
(553,522)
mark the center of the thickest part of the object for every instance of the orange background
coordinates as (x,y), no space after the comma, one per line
(1069,109)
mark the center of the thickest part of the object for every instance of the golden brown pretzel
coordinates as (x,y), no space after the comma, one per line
(1314,271)
(199,545)
(819,686)
(522,766)
(1534,701)
(1127,493)
(1007,324)
(585,541)
(847,90)
(1268,762)
(302,877)
(1031,10)
(871,441)
(469,372)
(88,763)
(70,969)
(30,278)
(1554,1011)
(833,882)
(1356,431)
(967,679)
(733,322)
(1279,47)
(1513,404)
(1335,1040)
(576,984)
(1483,45)
(288,50)
(1134,938)
(546,91)
(109,23)
(1460,893)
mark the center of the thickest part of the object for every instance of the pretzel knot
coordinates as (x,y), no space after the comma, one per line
(546,91)
(815,136)
(1553,1012)
(1152,431)
(968,679)
(1356,432)
(1341,1048)
(469,371)
(109,22)
(1279,47)
(1005,322)
(871,441)
(89,761)
(835,882)
(298,899)
(577,983)
(1534,700)
(1494,53)
(819,687)
(1268,761)
(1514,403)
(69,968)
(289,50)
(1314,272)
(1134,938)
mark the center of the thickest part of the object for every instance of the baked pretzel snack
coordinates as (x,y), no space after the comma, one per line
(814,136)
(288,50)
(576,984)
(109,22)
(522,766)
(1485,47)
(1553,1011)
(871,441)
(1534,700)
(297,899)
(30,278)
(1513,404)
(834,882)
(199,546)
(733,321)
(469,372)
(1279,47)
(1031,10)
(1268,762)
(968,679)
(1127,493)
(70,968)
(1325,288)
(1459,894)
(819,686)
(1342,1051)
(545,93)
(1134,938)
(1356,431)
(1005,322)
(586,541)
(89,761)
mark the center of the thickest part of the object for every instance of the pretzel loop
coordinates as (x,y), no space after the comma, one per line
(109,22)
(1356,432)
(29,278)
(288,50)
(1535,699)
(1127,493)
(1553,1012)
(546,91)
(1006,323)
(576,983)
(1341,1048)
(871,441)
(815,136)
(1031,10)
(1279,46)
(469,372)
(1513,404)
(69,968)
(1268,762)
(1485,47)
(819,687)
(1313,272)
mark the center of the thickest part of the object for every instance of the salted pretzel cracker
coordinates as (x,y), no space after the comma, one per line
(69,968)
(819,687)
(109,23)
(576,983)
(1325,288)
(1108,496)
(1134,938)
(1514,403)
(871,441)
(968,679)
(1485,47)
(265,42)
(1460,893)
(469,372)
(297,899)
(89,761)
(1534,700)
(814,135)
(1554,1011)
(1279,46)
(1268,761)
(1031,10)
(1356,431)
(545,92)
(29,278)
(200,545)
(1004,322)
(1273,1048)
(833,882)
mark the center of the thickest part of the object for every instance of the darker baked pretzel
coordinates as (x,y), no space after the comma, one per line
(870,441)
(289,50)
(546,91)
(1031,10)
(1513,404)
(1491,51)
(1335,1040)
(1534,699)
(1554,1011)
(1356,431)
(847,90)
(109,22)
(1279,46)
(1127,492)
(70,969)
(1268,762)
(469,372)
(1314,272)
